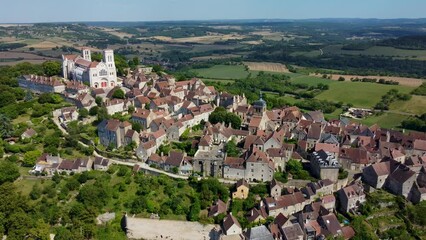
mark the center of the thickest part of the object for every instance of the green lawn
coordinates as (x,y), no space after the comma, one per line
(223,72)
(416,105)
(386,120)
(358,93)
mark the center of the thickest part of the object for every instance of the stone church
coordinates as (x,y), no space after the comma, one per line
(95,74)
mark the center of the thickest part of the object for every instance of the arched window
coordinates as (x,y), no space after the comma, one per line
(103,72)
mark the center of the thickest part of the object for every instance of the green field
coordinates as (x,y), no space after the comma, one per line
(386,120)
(223,72)
(358,93)
(416,105)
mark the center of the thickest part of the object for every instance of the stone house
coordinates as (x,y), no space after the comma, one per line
(46,163)
(231,226)
(354,158)
(66,114)
(401,180)
(242,190)
(293,232)
(324,165)
(29,133)
(351,197)
(179,161)
(218,208)
(257,215)
(258,166)
(275,188)
(376,174)
(101,164)
(41,84)
(233,168)
(145,149)
(113,132)
(143,117)
(285,204)
(259,232)
(77,166)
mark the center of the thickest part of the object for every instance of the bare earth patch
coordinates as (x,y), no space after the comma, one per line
(267,67)
(12,58)
(143,228)
(411,82)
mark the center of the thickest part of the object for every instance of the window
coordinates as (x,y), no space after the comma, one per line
(103,72)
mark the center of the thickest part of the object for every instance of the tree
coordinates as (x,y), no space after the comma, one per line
(6,127)
(35,192)
(119,93)
(50,98)
(137,126)
(194,213)
(52,68)
(157,69)
(98,101)
(40,231)
(131,109)
(9,172)
(103,114)
(231,149)
(93,111)
(220,115)
(83,113)
(7,98)
(30,158)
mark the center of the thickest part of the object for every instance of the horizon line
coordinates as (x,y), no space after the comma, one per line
(219,20)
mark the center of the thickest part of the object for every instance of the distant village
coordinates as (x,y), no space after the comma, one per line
(373,157)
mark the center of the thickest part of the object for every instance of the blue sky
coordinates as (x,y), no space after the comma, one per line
(22,11)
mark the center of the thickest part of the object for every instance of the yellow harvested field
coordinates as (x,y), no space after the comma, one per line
(410,82)
(202,39)
(116,32)
(267,67)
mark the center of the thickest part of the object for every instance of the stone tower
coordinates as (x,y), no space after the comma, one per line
(86,54)
(109,61)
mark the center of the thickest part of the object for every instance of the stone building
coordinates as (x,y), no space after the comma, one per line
(40,84)
(96,74)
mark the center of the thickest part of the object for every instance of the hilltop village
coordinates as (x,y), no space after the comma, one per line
(315,168)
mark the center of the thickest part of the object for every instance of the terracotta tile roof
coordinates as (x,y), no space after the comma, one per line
(175,159)
(419,145)
(242,182)
(333,148)
(293,231)
(230,221)
(255,122)
(331,224)
(348,232)
(218,208)
(83,62)
(356,155)
(234,162)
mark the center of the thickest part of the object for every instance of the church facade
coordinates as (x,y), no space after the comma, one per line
(95,74)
